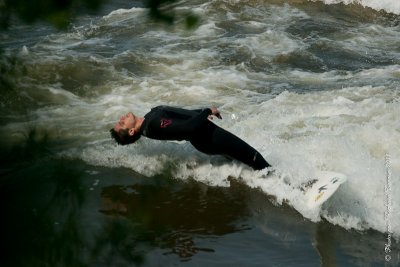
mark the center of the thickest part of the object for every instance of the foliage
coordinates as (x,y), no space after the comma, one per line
(61,12)
(57,12)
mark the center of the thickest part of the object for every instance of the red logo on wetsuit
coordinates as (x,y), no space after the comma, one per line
(165,123)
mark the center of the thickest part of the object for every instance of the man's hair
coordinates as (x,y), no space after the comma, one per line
(123,138)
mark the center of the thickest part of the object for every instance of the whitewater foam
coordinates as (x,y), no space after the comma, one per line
(391,6)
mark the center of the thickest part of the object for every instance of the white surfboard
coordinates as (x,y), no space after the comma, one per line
(322,188)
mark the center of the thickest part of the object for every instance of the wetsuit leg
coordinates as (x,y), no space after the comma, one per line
(215,140)
(229,144)
(203,140)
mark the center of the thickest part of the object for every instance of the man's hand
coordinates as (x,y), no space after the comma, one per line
(215,112)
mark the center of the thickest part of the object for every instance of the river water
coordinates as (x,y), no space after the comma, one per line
(312,85)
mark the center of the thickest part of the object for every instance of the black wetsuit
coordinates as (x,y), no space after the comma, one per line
(170,123)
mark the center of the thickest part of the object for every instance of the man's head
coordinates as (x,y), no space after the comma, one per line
(124,131)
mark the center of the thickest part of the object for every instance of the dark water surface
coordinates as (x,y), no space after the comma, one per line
(66,213)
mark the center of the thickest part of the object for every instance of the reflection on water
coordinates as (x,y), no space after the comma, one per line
(55,214)
(171,215)
(58,212)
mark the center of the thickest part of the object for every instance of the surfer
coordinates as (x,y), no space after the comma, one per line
(171,123)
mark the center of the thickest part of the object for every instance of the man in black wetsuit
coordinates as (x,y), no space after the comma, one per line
(170,123)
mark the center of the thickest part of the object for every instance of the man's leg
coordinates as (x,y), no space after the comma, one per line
(226,143)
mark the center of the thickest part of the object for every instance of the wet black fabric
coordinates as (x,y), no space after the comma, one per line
(170,123)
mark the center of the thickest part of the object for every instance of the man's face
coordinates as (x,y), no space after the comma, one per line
(126,121)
